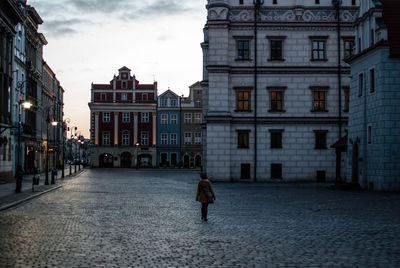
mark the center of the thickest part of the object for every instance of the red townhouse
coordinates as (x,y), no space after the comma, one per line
(123,122)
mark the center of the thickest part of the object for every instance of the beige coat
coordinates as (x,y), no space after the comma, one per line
(202,187)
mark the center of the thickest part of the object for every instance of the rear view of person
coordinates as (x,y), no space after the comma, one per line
(205,195)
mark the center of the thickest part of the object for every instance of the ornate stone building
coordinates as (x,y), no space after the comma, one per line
(10,16)
(374,119)
(123,122)
(275,99)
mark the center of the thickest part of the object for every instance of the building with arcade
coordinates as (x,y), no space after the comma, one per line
(123,122)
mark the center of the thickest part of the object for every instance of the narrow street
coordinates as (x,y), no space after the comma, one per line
(129,218)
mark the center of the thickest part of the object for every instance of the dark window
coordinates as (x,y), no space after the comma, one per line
(321,175)
(276,139)
(372,80)
(240,2)
(245,171)
(243,49)
(276,49)
(276,171)
(360,84)
(346,99)
(369,134)
(372,37)
(103,96)
(353,2)
(318,49)
(319,101)
(359,45)
(243,100)
(320,140)
(348,48)
(276,101)
(275,2)
(317,2)
(243,139)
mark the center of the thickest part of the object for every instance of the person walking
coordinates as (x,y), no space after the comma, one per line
(205,195)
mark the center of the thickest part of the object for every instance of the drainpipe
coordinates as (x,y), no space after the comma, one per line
(338,3)
(257,4)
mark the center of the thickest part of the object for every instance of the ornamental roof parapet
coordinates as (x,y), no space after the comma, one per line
(297,14)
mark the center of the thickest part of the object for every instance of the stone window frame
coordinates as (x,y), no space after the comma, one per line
(125,138)
(106,134)
(239,39)
(360,84)
(126,117)
(243,138)
(188,138)
(319,39)
(164,138)
(174,138)
(240,108)
(276,89)
(320,89)
(106,119)
(163,103)
(173,102)
(276,38)
(369,134)
(197,138)
(198,118)
(372,78)
(174,119)
(274,143)
(145,117)
(124,96)
(346,91)
(144,138)
(348,52)
(164,119)
(321,139)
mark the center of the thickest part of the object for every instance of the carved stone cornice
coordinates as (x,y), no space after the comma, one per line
(289,15)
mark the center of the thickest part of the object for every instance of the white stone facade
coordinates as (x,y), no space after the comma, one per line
(296,24)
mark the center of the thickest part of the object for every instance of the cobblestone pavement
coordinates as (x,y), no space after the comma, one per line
(128,218)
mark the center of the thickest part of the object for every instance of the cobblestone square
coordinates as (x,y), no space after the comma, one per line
(129,218)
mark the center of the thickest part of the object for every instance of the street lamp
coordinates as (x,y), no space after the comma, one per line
(137,155)
(54,124)
(54,171)
(19,174)
(65,135)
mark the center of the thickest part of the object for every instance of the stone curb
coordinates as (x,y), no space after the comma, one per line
(16,203)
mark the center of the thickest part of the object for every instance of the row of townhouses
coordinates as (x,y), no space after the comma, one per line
(287,84)
(31,95)
(131,126)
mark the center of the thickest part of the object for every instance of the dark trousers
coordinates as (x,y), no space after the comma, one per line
(204,209)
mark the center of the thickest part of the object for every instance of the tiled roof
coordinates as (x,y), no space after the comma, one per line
(391,17)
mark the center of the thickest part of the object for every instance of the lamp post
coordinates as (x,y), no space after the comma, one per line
(54,171)
(19,173)
(53,123)
(257,6)
(79,154)
(65,133)
(137,155)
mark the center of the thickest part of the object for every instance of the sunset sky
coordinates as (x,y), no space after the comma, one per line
(89,40)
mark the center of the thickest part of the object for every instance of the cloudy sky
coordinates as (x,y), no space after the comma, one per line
(89,40)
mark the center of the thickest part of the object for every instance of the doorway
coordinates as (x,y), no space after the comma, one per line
(126,160)
(106,161)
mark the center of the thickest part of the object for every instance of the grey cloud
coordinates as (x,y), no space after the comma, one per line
(61,27)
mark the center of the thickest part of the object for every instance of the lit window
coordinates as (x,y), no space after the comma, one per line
(243,100)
